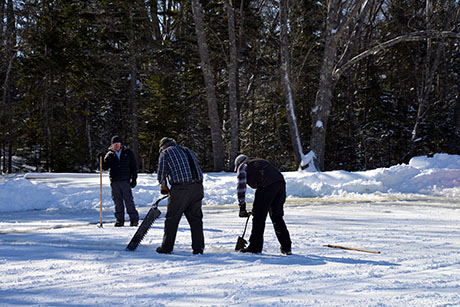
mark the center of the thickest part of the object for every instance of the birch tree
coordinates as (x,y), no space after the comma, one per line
(288,93)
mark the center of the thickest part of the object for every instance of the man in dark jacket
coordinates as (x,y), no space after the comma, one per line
(270,196)
(123,175)
(179,166)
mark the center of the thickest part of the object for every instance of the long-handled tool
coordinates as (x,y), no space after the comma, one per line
(100,180)
(151,216)
(241,242)
(352,249)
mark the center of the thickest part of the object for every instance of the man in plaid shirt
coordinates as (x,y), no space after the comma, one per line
(178,166)
(270,196)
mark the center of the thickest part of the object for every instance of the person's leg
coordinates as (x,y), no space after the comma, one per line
(194,216)
(276,215)
(129,202)
(117,198)
(177,203)
(259,215)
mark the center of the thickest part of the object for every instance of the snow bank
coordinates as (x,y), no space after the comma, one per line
(19,194)
(437,175)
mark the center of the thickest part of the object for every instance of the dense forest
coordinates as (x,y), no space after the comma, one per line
(324,85)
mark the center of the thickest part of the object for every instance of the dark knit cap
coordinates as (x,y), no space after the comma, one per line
(116,139)
(240,159)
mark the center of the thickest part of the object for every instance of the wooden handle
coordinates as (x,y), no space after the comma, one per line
(352,249)
(100,180)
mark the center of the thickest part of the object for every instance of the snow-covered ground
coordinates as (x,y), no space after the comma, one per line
(53,254)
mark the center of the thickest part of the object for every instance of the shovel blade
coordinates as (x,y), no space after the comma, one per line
(240,244)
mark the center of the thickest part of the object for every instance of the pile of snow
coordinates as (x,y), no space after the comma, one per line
(438,175)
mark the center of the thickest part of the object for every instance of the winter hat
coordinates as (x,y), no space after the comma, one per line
(166,142)
(116,139)
(240,159)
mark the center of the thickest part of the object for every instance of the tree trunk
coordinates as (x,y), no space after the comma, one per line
(6,104)
(430,66)
(8,87)
(132,90)
(233,84)
(2,20)
(320,113)
(216,134)
(47,111)
(289,97)
(323,101)
(155,21)
(337,23)
(89,139)
(167,20)
(2,102)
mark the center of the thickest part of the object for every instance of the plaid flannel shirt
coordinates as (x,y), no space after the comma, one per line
(242,179)
(174,166)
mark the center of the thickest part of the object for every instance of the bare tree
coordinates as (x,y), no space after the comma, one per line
(132,87)
(334,64)
(338,20)
(288,93)
(10,42)
(430,64)
(216,133)
(2,65)
(232,82)
(150,10)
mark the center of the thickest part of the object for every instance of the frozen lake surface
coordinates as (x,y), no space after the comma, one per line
(60,257)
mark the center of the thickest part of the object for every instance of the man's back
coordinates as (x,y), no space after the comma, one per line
(177,166)
(261,173)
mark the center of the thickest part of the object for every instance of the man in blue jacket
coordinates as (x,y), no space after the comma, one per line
(123,175)
(270,196)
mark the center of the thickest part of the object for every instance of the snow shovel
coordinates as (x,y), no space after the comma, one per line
(241,242)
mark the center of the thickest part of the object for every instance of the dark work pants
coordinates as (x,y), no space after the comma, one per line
(122,196)
(184,199)
(270,200)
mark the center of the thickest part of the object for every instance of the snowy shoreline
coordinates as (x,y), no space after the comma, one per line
(438,175)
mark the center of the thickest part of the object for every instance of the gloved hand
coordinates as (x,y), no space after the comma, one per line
(99,155)
(133,183)
(243,212)
(164,190)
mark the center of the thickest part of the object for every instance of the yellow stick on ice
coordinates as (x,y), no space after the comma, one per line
(352,249)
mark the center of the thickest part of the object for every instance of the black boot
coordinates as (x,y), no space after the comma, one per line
(249,249)
(160,250)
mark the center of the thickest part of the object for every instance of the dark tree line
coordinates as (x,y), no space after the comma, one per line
(334,84)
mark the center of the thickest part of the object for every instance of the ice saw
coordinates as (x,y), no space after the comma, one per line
(151,216)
